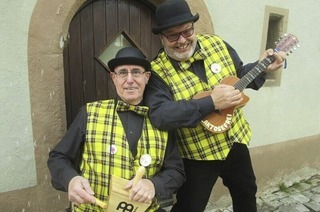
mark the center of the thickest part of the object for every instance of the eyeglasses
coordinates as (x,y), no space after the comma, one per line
(174,37)
(123,73)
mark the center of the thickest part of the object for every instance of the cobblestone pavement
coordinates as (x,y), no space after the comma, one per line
(289,195)
(302,196)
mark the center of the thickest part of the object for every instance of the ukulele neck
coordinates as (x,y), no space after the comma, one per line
(254,73)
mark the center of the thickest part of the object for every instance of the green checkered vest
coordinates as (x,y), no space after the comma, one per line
(198,143)
(95,161)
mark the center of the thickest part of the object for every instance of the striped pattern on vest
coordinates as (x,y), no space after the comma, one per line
(198,143)
(95,162)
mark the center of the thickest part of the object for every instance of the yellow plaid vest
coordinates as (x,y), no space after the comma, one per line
(198,143)
(95,161)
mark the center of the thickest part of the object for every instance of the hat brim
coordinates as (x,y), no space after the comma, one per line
(112,64)
(158,29)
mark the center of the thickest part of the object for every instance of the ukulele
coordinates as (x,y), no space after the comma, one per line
(220,121)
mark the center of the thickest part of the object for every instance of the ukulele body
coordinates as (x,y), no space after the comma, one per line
(220,121)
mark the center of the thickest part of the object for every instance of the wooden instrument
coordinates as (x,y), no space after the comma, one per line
(100,203)
(119,197)
(218,122)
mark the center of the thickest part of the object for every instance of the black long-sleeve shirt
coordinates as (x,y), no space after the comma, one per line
(65,158)
(167,114)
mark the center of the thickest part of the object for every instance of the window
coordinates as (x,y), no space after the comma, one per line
(109,52)
(275,25)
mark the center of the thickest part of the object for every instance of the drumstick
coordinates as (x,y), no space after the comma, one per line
(139,174)
(100,203)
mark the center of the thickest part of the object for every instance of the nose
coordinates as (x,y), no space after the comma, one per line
(130,77)
(181,39)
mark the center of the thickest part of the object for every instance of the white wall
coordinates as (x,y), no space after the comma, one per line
(291,110)
(17,162)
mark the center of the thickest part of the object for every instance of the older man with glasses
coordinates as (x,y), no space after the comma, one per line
(115,137)
(188,65)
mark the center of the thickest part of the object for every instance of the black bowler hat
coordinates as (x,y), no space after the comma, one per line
(172,13)
(129,56)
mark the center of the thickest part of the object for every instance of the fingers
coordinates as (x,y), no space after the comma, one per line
(86,186)
(278,63)
(225,96)
(280,58)
(141,196)
(268,52)
(236,98)
(77,199)
(128,185)
(143,191)
(79,191)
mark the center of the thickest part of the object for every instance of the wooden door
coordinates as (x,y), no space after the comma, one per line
(95,32)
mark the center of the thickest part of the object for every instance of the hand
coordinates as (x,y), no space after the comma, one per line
(143,191)
(79,191)
(225,96)
(280,58)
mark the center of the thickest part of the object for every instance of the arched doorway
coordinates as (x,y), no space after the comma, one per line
(47,39)
(96,32)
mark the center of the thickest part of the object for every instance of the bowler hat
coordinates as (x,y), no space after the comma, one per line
(172,13)
(129,56)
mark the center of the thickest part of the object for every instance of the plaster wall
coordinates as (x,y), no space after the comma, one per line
(17,163)
(36,40)
(291,110)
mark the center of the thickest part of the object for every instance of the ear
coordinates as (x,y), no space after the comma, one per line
(148,75)
(112,76)
(161,38)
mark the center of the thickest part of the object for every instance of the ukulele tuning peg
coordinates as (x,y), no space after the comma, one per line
(295,47)
(282,36)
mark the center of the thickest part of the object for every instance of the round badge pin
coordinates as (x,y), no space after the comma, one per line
(145,160)
(215,68)
(112,149)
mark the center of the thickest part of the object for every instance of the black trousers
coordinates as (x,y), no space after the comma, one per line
(237,175)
